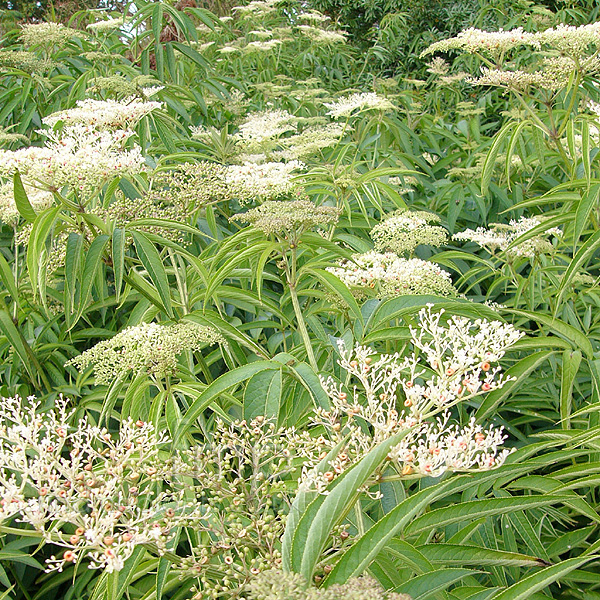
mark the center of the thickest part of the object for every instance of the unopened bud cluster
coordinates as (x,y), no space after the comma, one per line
(150,347)
(402,231)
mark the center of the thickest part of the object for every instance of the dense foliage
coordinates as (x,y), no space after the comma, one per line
(276,325)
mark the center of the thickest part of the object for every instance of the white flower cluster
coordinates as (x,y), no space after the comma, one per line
(322,36)
(571,40)
(460,353)
(389,275)
(551,74)
(288,220)
(106,25)
(257,8)
(104,114)
(450,363)
(264,126)
(265,181)
(228,50)
(261,46)
(46,34)
(404,230)
(501,236)
(311,141)
(314,16)
(149,347)
(447,447)
(568,40)
(474,40)
(82,488)
(97,494)
(79,156)
(344,107)
(86,152)
(261,34)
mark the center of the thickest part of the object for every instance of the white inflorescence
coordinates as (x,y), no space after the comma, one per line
(79,156)
(150,347)
(311,141)
(97,495)
(451,362)
(552,74)
(288,219)
(82,488)
(261,46)
(264,181)
(389,275)
(500,237)
(104,114)
(263,126)
(86,152)
(106,25)
(322,35)
(344,107)
(404,230)
(46,34)
(474,40)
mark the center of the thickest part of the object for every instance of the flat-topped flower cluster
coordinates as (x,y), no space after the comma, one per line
(288,219)
(389,275)
(346,106)
(87,151)
(567,39)
(104,114)
(150,347)
(404,230)
(504,237)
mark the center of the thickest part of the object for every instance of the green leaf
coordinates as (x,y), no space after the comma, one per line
(355,560)
(585,252)
(190,53)
(310,380)
(520,372)
(468,511)
(334,284)
(490,159)
(212,319)
(523,589)
(93,260)
(458,554)
(584,208)
(570,367)
(302,501)
(23,205)
(263,395)
(574,336)
(153,264)
(217,387)
(20,557)
(157,21)
(36,249)
(314,527)
(17,341)
(427,585)
(8,279)
(118,258)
